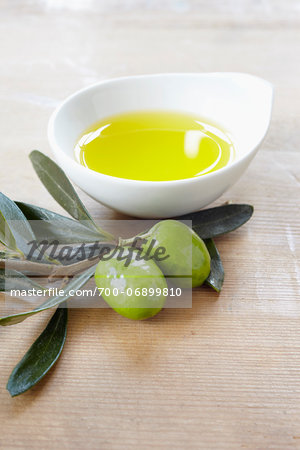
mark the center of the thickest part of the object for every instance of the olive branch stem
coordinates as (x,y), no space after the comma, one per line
(50,270)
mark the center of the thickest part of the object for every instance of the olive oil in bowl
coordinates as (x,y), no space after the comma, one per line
(154,146)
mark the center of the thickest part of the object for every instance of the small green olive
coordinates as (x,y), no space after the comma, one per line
(186,258)
(136,290)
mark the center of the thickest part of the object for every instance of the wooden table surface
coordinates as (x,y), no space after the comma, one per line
(226,373)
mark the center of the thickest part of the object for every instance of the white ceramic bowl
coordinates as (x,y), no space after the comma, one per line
(239,103)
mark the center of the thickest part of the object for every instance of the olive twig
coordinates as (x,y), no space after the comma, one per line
(51,270)
(22,265)
(72,269)
(134,240)
(126,242)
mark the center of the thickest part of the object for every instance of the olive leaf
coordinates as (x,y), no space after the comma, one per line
(41,356)
(61,189)
(6,237)
(15,231)
(59,186)
(52,226)
(76,283)
(216,277)
(12,279)
(213,222)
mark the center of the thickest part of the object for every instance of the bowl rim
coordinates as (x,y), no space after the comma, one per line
(72,161)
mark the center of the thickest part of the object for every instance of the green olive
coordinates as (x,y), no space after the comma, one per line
(134,290)
(185,259)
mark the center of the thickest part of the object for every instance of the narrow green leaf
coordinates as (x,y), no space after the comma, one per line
(14,227)
(76,283)
(41,356)
(216,277)
(59,186)
(52,226)
(12,279)
(6,236)
(220,220)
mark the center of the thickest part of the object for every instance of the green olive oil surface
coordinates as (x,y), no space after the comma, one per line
(154,146)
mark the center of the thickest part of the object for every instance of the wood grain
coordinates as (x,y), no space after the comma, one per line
(224,374)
